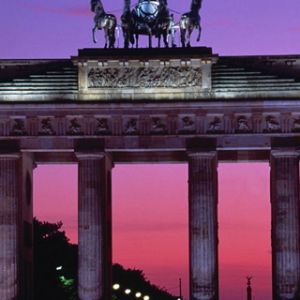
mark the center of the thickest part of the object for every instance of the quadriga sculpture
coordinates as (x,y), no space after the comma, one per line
(107,22)
(190,21)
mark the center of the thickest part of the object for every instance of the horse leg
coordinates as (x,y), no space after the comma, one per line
(112,38)
(94,35)
(150,40)
(190,30)
(165,37)
(126,40)
(199,33)
(158,40)
(105,37)
(173,37)
(137,40)
(182,35)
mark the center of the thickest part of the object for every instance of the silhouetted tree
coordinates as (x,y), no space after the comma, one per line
(53,249)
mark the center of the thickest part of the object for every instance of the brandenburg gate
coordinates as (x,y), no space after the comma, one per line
(104,107)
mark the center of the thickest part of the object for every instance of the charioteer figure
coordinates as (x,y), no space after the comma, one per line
(148,17)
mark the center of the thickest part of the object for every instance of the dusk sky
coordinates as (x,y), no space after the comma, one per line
(150,201)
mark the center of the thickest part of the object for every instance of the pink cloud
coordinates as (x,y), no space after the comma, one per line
(294,29)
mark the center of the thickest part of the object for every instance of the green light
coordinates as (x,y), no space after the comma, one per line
(66,282)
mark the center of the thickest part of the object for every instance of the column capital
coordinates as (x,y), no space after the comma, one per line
(11,156)
(202,154)
(288,152)
(91,155)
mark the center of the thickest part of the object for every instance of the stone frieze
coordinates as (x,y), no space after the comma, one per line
(145,77)
(143,124)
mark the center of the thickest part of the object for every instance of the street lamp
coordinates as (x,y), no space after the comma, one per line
(116,286)
(127,291)
(138,295)
(146,297)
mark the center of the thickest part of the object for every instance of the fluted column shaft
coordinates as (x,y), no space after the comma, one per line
(203,226)
(285,224)
(9,226)
(95,249)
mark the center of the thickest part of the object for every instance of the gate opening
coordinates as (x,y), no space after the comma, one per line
(150,222)
(244,230)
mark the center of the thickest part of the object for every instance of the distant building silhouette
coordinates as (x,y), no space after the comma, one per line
(249,289)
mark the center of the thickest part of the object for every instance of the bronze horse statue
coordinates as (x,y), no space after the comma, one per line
(165,25)
(127,24)
(148,17)
(107,22)
(190,21)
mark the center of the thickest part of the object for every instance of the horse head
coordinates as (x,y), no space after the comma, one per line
(196,5)
(97,7)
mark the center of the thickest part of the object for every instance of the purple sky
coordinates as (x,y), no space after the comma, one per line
(35,28)
(56,29)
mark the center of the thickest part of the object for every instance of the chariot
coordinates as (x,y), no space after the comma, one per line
(148,17)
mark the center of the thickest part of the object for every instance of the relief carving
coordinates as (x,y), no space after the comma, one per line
(74,127)
(242,125)
(187,125)
(272,125)
(215,126)
(296,125)
(18,127)
(102,127)
(131,126)
(46,127)
(158,126)
(142,77)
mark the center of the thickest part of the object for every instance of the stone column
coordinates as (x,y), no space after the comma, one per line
(9,226)
(95,242)
(203,225)
(285,224)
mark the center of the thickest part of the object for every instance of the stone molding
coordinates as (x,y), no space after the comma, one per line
(198,154)
(140,122)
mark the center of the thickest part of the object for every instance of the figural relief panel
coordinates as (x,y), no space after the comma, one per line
(186,124)
(131,125)
(102,125)
(74,126)
(295,123)
(46,126)
(243,124)
(272,123)
(18,126)
(158,124)
(145,77)
(215,124)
